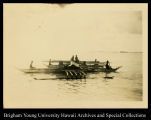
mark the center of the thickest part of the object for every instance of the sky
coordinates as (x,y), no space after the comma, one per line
(41,30)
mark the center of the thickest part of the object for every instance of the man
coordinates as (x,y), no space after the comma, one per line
(31,65)
(50,62)
(96,62)
(72,59)
(74,62)
(107,65)
(76,59)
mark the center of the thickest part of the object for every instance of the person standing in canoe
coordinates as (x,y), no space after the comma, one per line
(72,59)
(76,59)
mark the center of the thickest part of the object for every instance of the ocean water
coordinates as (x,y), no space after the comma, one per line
(22,90)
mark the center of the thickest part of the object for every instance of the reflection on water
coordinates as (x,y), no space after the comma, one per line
(72,86)
(126,85)
(98,87)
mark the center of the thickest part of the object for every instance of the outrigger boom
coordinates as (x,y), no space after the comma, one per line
(72,69)
(80,62)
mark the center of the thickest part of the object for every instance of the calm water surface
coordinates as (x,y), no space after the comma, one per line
(125,86)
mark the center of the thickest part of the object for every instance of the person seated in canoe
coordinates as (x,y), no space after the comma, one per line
(95,62)
(31,65)
(84,63)
(108,65)
(76,59)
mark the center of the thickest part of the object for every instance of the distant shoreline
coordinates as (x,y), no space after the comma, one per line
(129,52)
(119,52)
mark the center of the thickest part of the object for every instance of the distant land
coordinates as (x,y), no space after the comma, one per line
(120,51)
(130,52)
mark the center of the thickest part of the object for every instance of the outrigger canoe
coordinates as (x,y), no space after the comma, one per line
(61,70)
(71,69)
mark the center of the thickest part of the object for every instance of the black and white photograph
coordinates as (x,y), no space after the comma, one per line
(75,55)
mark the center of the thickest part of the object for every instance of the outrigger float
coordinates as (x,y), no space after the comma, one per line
(72,69)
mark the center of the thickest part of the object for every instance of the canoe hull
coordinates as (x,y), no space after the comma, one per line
(48,70)
(109,70)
